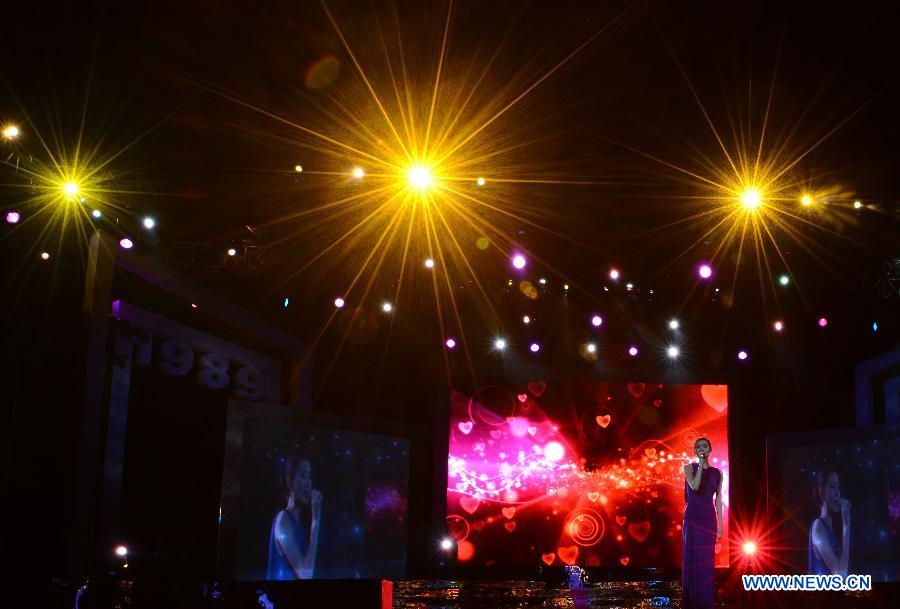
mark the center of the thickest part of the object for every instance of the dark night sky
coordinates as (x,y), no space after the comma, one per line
(214,166)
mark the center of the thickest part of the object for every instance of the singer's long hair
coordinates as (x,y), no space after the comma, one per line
(837,520)
(289,469)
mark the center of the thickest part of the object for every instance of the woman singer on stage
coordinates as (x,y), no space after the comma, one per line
(701,529)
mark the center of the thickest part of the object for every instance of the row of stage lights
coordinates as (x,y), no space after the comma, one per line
(13,217)
(751,198)
(672,351)
(420,177)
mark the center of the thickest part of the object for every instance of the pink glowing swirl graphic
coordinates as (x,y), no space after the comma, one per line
(585,527)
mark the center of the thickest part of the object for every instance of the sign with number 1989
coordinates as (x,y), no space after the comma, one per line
(177,357)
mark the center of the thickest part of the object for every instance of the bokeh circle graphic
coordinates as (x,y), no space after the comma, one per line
(457,528)
(689,436)
(492,405)
(585,526)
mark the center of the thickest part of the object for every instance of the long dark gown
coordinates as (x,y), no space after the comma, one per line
(698,582)
(279,568)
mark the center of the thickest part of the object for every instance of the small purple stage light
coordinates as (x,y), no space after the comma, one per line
(339,302)
(13,217)
(633,351)
(742,355)
(451,343)
(596,321)
(535,347)
(704,271)
(613,274)
(518,261)
(823,322)
(126,243)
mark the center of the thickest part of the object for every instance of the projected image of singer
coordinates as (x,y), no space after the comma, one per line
(829,553)
(295,529)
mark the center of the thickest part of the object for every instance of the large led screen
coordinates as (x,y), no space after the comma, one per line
(846,487)
(575,472)
(321,503)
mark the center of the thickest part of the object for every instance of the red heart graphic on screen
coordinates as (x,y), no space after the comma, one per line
(657,403)
(523,397)
(620,520)
(593,496)
(650,452)
(636,389)
(478,525)
(716,396)
(639,530)
(624,560)
(548,558)
(532,430)
(509,512)
(465,426)
(496,433)
(568,555)
(593,560)
(465,550)
(510,526)
(603,421)
(469,504)
(537,388)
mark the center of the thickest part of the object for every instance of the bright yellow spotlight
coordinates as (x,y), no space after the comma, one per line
(806,200)
(420,177)
(857,204)
(358,172)
(480,181)
(751,198)
(71,189)
(10,132)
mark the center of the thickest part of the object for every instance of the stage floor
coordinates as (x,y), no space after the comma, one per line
(436,594)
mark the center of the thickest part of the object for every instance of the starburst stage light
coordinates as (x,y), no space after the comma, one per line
(420,177)
(71,189)
(751,198)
